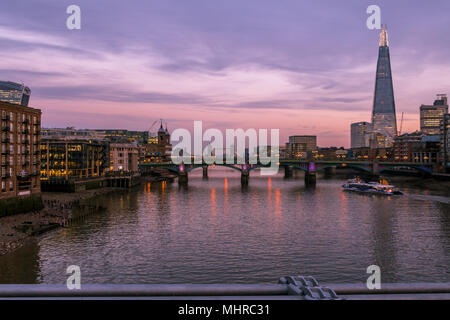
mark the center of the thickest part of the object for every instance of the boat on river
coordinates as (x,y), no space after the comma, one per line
(382,187)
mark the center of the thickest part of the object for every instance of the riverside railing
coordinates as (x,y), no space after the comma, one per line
(290,290)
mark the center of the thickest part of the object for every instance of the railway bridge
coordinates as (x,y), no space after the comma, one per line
(310,168)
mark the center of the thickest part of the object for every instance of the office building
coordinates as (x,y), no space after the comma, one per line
(112,135)
(73,158)
(123,157)
(360,134)
(431,116)
(427,150)
(301,147)
(14,93)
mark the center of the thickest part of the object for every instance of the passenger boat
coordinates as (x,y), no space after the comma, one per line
(381,187)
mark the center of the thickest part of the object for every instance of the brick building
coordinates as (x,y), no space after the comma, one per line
(20,150)
(405,144)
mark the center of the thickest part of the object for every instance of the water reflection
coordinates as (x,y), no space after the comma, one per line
(216,231)
(383,222)
(225,194)
(22,266)
(213,202)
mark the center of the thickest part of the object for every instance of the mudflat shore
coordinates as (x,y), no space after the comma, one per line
(16,230)
(59,209)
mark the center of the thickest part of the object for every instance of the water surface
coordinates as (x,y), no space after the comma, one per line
(215,231)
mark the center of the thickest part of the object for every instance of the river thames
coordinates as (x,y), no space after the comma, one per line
(214,231)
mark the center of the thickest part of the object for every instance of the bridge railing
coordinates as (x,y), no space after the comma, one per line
(281,291)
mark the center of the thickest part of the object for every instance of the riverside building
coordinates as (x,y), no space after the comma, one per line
(73,158)
(123,157)
(20,141)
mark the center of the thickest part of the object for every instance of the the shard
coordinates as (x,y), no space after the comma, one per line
(383,113)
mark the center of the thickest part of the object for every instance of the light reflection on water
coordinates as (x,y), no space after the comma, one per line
(216,231)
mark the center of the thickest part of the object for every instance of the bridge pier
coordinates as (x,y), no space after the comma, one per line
(183,178)
(205,172)
(375,169)
(310,178)
(244,177)
(288,172)
(375,176)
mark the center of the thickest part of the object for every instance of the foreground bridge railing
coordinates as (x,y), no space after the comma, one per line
(288,288)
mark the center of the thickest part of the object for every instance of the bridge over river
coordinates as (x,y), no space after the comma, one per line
(310,168)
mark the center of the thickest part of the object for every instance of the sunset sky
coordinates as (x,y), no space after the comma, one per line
(305,67)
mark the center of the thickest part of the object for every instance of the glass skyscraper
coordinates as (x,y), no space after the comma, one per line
(360,134)
(383,113)
(14,93)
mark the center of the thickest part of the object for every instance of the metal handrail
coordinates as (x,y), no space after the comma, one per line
(223,291)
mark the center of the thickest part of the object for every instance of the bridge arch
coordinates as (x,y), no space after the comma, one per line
(300,168)
(258,166)
(193,167)
(172,169)
(346,165)
(231,166)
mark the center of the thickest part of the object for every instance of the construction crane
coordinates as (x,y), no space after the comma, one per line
(151,127)
(401,125)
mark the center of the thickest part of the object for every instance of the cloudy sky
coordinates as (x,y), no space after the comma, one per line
(303,66)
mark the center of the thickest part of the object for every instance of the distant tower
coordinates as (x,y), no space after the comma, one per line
(14,93)
(384,120)
(163,135)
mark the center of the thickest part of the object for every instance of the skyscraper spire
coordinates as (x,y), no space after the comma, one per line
(384,39)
